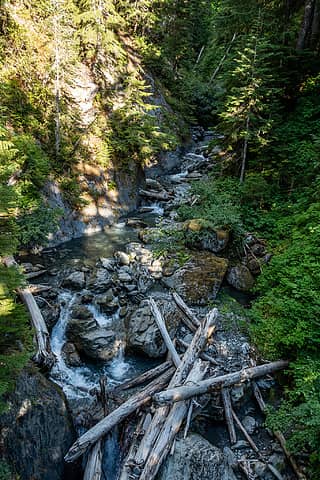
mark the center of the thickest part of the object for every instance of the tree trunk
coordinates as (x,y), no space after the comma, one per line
(171,427)
(228,414)
(164,332)
(199,341)
(115,417)
(144,377)
(186,310)
(93,470)
(306,27)
(245,151)
(44,356)
(183,393)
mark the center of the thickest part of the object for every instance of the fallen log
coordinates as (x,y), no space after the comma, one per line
(144,377)
(128,463)
(171,427)
(225,394)
(44,355)
(254,447)
(187,391)
(164,332)
(278,435)
(186,310)
(115,417)
(162,196)
(93,470)
(203,355)
(39,288)
(36,274)
(198,343)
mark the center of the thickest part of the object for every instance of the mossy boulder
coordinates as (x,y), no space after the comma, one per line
(200,278)
(198,233)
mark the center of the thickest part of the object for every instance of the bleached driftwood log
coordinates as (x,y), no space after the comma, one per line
(205,386)
(144,377)
(225,394)
(115,417)
(93,470)
(254,447)
(143,424)
(164,332)
(171,427)
(186,310)
(198,343)
(44,356)
(36,274)
(162,196)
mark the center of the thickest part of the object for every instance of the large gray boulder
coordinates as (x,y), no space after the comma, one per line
(89,338)
(37,431)
(195,458)
(75,280)
(200,278)
(240,278)
(143,333)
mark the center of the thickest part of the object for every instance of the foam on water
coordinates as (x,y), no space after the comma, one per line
(78,381)
(156,209)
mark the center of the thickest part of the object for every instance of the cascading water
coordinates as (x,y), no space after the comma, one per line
(78,381)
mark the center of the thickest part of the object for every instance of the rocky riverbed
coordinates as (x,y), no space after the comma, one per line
(93,296)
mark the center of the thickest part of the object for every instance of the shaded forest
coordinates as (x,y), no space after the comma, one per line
(251,71)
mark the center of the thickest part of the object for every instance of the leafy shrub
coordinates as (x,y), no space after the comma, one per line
(218,205)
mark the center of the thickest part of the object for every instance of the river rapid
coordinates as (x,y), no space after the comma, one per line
(101,328)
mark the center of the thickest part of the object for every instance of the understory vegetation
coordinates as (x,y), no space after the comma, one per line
(251,71)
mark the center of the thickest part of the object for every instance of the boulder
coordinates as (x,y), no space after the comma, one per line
(71,355)
(240,278)
(213,240)
(194,458)
(122,258)
(37,431)
(89,338)
(108,301)
(143,333)
(199,280)
(75,280)
(101,280)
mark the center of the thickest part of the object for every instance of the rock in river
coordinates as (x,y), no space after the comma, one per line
(200,278)
(75,280)
(195,458)
(89,338)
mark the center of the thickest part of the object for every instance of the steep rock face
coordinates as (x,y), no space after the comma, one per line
(104,204)
(195,458)
(37,430)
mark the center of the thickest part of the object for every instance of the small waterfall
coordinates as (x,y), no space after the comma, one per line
(157,209)
(75,382)
(78,381)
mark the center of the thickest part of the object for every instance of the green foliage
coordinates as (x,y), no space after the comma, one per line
(135,130)
(15,334)
(5,472)
(218,205)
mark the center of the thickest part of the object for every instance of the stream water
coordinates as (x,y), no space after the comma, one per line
(82,255)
